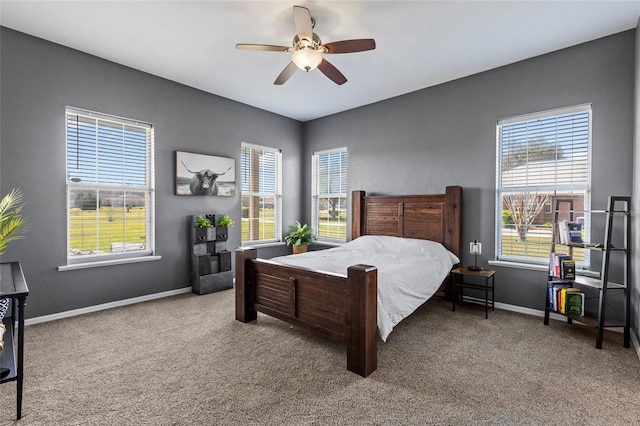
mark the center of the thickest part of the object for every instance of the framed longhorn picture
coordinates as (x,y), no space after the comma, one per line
(201,174)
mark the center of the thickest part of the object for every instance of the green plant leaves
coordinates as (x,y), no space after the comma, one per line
(12,224)
(300,235)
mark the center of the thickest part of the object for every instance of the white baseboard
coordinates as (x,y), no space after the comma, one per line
(515,308)
(96,308)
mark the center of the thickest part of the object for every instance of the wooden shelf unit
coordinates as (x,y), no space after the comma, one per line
(602,283)
(210,261)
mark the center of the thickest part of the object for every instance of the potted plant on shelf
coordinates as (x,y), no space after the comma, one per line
(203,222)
(222,227)
(300,237)
(224,221)
(205,230)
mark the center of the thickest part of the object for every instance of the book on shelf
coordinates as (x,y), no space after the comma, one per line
(553,287)
(575,232)
(562,298)
(563,232)
(568,269)
(574,304)
(556,265)
(570,232)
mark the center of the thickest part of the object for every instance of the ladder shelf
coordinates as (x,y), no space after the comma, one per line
(602,284)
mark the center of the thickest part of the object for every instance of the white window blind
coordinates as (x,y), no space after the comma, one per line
(261,194)
(329,192)
(109,187)
(541,157)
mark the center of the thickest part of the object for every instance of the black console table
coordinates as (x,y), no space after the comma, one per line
(13,286)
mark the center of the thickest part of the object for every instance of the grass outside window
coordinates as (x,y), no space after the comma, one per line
(112,224)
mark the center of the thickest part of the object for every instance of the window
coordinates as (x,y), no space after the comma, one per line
(110,195)
(541,157)
(329,202)
(261,194)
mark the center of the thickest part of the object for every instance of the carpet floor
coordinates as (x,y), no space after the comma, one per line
(184,360)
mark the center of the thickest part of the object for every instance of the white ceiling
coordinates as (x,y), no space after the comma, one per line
(419,43)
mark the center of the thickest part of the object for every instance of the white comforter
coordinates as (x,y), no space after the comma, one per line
(410,271)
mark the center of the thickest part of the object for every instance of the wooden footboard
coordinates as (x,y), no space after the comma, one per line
(340,308)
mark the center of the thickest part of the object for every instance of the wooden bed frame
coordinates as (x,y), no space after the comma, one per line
(341,308)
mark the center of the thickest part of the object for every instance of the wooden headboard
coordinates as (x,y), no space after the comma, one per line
(436,217)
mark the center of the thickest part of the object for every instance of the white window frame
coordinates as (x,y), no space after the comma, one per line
(559,190)
(134,255)
(316,195)
(277,195)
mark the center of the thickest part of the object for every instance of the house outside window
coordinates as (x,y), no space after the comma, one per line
(542,157)
(329,195)
(110,187)
(261,194)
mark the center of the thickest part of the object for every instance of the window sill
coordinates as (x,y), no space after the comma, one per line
(88,265)
(263,245)
(529,266)
(533,267)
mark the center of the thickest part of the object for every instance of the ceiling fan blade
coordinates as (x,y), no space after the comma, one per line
(349,46)
(302,22)
(262,47)
(286,73)
(332,72)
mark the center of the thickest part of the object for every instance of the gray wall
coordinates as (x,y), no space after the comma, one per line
(38,80)
(446,135)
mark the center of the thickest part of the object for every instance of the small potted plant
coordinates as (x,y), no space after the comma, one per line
(205,230)
(203,222)
(222,227)
(300,237)
(224,221)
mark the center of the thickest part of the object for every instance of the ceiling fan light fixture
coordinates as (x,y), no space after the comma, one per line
(308,51)
(306,59)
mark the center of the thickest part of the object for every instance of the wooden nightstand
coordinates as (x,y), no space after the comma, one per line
(458,277)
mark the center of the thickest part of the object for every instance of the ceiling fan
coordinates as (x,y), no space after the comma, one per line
(308,50)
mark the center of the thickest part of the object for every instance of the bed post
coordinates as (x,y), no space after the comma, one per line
(357,214)
(244,287)
(453,219)
(361,319)
(452,230)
